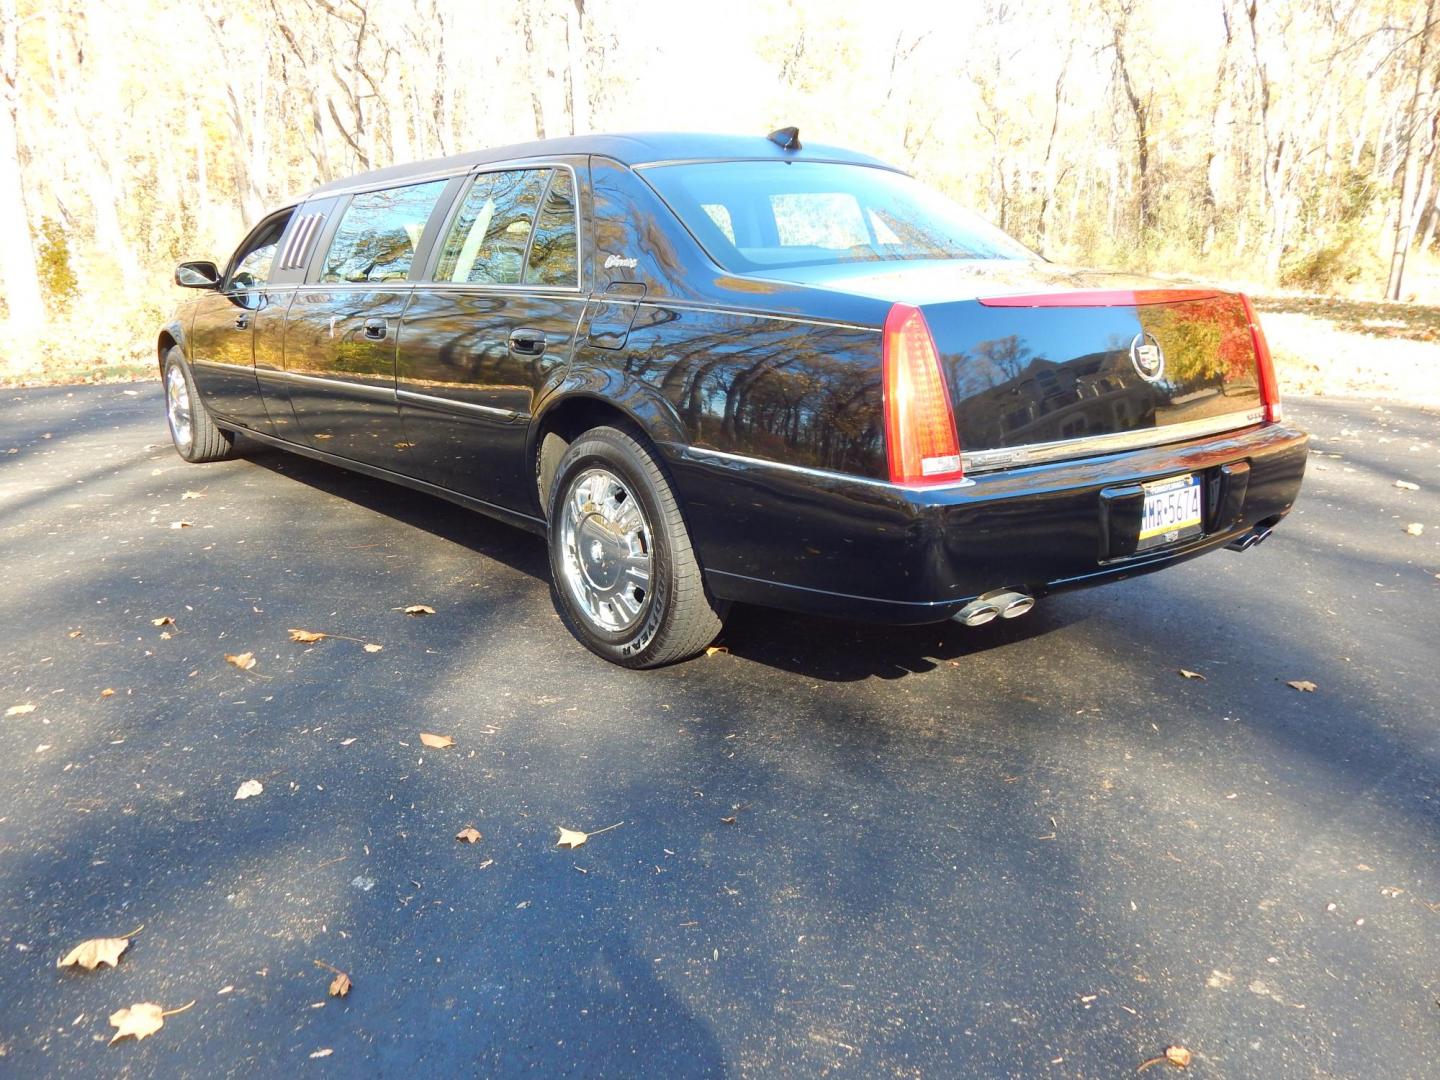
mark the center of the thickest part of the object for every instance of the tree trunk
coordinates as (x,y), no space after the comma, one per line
(17,254)
(1414,183)
(578,86)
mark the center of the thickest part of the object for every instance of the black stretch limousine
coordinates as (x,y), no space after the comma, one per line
(714,369)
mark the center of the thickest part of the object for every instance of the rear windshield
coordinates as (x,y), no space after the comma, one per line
(755,215)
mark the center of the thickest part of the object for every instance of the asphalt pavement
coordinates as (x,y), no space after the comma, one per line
(1034,849)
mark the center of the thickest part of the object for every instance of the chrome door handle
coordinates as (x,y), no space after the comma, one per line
(527,342)
(375,329)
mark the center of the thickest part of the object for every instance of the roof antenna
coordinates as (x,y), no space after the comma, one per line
(787,138)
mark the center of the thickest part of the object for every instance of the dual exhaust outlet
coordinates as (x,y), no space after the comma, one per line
(1001,605)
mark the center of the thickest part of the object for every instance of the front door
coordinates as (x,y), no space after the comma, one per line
(491,328)
(342,327)
(221,344)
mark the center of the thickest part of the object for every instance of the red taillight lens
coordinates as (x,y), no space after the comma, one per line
(1264,365)
(920,434)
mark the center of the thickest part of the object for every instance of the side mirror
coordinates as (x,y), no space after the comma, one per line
(200,274)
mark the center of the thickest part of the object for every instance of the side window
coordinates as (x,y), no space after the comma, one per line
(489,237)
(378,235)
(554,259)
(253,261)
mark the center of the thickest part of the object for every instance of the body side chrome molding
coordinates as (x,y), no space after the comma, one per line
(409,397)
(743,461)
(369,390)
(715,309)
(1007,457)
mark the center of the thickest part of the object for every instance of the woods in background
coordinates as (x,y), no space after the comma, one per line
(1289,142)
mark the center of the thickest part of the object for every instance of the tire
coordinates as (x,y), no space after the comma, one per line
(612,513)
(196,436)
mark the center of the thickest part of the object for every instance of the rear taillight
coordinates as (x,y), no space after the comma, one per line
(920,434)
(1264,365)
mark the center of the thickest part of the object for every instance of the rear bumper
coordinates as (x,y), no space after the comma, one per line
(835,545)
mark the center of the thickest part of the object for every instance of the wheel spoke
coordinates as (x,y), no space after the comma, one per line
(605,558)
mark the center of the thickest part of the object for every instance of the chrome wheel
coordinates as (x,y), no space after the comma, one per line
(177,407)
(607,551)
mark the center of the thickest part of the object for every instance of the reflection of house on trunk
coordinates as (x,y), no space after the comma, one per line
(1095,394)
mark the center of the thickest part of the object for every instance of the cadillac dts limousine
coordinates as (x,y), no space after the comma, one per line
(712,369)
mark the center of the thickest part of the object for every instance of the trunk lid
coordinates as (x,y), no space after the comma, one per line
(1039,377)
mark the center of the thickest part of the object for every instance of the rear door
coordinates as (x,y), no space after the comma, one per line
(340,333)
(491,329)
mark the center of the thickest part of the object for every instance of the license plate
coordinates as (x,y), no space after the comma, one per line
(1171,513)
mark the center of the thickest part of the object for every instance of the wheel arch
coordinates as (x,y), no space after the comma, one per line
(573,409)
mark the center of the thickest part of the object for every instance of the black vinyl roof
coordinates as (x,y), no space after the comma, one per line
(628,149)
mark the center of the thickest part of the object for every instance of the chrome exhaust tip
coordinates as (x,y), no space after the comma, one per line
(976,613)
(1251,539)
(1018,606)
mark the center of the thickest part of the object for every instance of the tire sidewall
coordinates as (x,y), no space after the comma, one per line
(632,647)
(175,358)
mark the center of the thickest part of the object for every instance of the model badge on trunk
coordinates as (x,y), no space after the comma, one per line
(1145,354)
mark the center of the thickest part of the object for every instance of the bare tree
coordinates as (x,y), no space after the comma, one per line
(17,253)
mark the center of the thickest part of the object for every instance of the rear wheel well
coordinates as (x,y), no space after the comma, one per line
(562,425)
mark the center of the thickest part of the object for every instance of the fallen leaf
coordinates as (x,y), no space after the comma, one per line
(1177,1056)
(1406,485)
(249,788)
(1191,675)
(244,661)
(372,647)
(182,525)
(165,635)
(436,742)
(107,692)
(140,1020)
(573,838)
(419,609)
(163,620)
(340,985)
(1415,528)
(715,650)
(42,748)
(193,495)
(1302,684)
(75,633)
(19,710)
(469,835)
(347,742)
(307,636)
(101,950)
(323,1052)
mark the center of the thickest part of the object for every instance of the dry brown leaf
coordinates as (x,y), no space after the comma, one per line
(715,650)
(1177,1056)
(1406,485)
(101,950)
(372,647)
(165,635)
(248,789)
(75,633)
(1302,684)
(419,609)
(19,710)
(193,495)
(244,661)
(1415,528)
(308,637)
(182,524)
(1191,675)
(436,742)
(469,835)
(340,985)
(573,838)
(140,1020)
(163,620)
(107,692)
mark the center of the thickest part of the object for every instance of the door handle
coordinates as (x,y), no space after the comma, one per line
(376,329)
(527,342)
(242,320)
